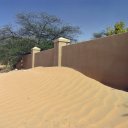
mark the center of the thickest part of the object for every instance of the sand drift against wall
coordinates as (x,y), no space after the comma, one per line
(59,98)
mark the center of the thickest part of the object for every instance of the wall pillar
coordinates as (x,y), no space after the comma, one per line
(58,44)
(33,52)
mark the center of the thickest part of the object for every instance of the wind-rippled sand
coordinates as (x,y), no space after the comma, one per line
(59,98)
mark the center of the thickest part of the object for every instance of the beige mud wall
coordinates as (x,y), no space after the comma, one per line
(45,58)
(104,59)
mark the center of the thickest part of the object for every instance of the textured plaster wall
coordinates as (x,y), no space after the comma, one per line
(26,62)
(45,58)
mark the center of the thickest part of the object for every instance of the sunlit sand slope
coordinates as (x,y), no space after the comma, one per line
(59,98)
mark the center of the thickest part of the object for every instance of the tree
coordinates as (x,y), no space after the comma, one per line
(98,35)
(39,26)
(43,26)
(118,28)
(13,50)
(34,29)
(6,32)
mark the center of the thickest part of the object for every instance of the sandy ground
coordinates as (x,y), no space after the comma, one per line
(59,98)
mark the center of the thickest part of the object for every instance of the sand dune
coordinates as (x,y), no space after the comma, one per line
(59,98)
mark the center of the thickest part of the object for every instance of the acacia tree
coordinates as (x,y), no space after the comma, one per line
(118,28)
(34,29)
(43,26)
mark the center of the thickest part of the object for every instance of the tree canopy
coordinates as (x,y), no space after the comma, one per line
(118,28)
(32,29)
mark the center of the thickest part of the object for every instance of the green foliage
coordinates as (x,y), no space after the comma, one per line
(118,28)
(109,31)
(34,29)
(13,50)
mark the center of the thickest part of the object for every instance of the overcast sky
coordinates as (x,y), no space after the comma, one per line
(90,15)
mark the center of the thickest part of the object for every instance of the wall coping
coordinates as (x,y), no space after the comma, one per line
(36,49)
(61,39)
